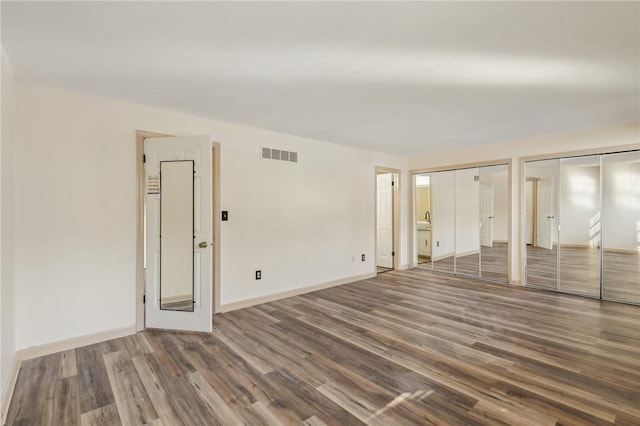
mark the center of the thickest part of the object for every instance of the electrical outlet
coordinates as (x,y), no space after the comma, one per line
(363,257)
(258,275)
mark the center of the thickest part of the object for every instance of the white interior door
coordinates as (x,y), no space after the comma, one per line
(545,213)
(178,227)
(486,213)
(384,221)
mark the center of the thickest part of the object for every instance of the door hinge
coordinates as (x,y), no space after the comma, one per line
(144,158)
(144,298)
(392,183)
(393,253)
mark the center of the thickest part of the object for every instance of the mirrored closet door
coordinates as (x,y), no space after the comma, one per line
(582,225)
(621,227)
(461,222)
(494,222)
(541,228)
(579,236)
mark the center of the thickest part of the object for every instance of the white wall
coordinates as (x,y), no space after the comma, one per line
(442,214)
(592,139)
(76,210)
(7,284)
(579,205)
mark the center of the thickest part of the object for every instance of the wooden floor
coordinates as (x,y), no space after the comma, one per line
(406,347)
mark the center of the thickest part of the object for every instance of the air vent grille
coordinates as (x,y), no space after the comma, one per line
(279,155)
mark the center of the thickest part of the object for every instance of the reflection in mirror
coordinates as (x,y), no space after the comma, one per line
(422,184)
(541,228)
(443,221)
(176,230)
(580,225)
(494,222)
(467,222)
(621,226)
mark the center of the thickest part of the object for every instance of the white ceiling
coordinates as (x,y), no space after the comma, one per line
(405,78)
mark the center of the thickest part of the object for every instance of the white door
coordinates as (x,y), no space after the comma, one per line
(178,226)
(486,213)
(545,214)
(384,221)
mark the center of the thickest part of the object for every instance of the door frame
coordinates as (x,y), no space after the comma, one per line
(395,213)
(141,135)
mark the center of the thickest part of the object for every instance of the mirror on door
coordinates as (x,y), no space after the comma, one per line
(541,229)
(494,222)
(621,227)
(422,218)
(176,235)
(461,221)
(582,225)
(467,208)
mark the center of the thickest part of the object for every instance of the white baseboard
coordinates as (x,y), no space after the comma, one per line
(403,267)
(11,385)
(51,348)
(74,342)
(227,307)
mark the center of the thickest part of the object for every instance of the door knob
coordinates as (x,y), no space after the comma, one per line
(203,244)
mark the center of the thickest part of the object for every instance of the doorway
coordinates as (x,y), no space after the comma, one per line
(212,297)
(386,219)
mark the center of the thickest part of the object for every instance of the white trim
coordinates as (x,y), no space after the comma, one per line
(404,267)
(51,348)
(74,342)
(11,385)
(290,293)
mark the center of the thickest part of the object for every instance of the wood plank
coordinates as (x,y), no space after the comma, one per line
(103,416)
(132,400)
(406,347)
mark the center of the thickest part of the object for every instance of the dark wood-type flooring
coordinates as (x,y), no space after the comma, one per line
(406,347)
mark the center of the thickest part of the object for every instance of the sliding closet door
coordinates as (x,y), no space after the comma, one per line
(467,222)
(494,222)
(621,227)
(443,221)
(542,252)
(422,221)
(580,225)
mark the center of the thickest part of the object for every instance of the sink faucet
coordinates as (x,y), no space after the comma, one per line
(427,216)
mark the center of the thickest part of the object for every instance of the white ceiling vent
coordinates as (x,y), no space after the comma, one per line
(279,155)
